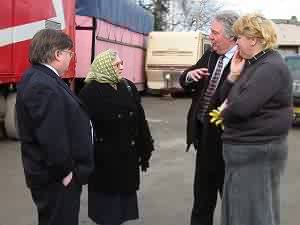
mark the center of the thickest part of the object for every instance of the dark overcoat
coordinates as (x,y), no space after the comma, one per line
(54,129)
(56,139)
(123,140)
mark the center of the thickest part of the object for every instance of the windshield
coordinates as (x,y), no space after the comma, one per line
(294,66)
(293,63)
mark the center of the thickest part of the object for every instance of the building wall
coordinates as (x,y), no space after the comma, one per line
(288,36)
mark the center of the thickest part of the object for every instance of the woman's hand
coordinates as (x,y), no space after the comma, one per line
(223,106)
(237,64)
(216,115)
(67,180)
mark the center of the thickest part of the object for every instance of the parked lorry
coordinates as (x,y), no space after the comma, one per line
(168,55)
(93,25)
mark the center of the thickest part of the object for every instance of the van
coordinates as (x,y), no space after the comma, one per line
(168,55)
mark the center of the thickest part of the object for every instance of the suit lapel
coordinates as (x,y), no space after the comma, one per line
(48,72)
(71,93)
(223,77)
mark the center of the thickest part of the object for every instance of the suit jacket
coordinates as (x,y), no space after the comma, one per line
(54,129)
(205,137)
(123,139)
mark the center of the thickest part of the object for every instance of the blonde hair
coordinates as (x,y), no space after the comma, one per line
(256,25)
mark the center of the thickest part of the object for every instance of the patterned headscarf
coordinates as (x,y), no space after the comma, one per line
(102,69)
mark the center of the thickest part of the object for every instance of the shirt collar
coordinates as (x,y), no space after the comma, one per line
(231,52)
(258,56)
(51,68)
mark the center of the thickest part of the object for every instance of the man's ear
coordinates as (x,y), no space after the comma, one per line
(57,55)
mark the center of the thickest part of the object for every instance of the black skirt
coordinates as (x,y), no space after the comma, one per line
(112,209)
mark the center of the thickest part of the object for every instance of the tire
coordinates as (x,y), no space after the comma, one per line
(10,121)
(2,133)
(154,92)
(2,107)
(2,114)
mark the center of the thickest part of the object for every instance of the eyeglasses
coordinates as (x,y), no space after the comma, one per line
(71,53)
(119,63)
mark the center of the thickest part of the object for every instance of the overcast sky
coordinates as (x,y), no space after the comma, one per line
(272,9)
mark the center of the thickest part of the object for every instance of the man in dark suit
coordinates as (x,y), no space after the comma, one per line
(204,80)
(55,131)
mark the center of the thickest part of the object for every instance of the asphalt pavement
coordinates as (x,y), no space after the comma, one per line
(165,197)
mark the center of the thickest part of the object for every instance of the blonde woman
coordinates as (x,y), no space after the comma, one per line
(123,142)
(257,116)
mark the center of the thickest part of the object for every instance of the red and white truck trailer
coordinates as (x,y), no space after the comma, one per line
(94,25)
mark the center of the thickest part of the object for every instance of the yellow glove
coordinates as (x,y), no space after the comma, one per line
(216,118)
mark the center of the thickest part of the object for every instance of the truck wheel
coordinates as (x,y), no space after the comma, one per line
(154,92)
(10,121)
(2,107)
(2,114)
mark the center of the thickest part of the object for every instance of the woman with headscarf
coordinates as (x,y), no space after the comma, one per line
(123,142)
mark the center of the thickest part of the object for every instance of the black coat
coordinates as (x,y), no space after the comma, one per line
(205,136)
(54,129)
(123,140)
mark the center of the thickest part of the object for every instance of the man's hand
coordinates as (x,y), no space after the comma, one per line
(198,74)
(67,180)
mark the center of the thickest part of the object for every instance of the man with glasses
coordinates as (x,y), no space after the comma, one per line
(55,131)
(71,53)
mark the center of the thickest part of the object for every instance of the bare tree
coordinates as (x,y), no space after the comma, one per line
(191,15)
(181,15)
(159,9)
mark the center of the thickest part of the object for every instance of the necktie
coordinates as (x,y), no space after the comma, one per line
(211,88)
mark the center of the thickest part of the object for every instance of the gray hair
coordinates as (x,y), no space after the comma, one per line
(228,18)
(44,44)
(114,54)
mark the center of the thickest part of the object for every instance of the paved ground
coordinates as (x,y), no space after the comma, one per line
(166,190)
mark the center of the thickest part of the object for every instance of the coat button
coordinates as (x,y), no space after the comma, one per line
(120,116)
(130,113)
(132,143)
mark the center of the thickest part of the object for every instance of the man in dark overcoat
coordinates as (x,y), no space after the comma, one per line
(204,80)
(55,131)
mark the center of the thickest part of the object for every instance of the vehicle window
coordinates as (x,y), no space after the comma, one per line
(293,64)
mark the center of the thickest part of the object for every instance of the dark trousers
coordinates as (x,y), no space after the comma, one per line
(57,204)
(208,182)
